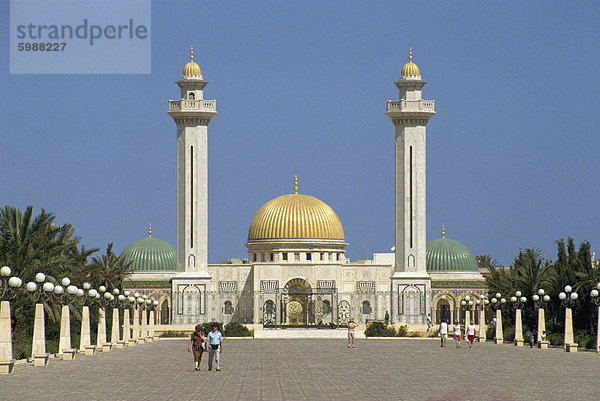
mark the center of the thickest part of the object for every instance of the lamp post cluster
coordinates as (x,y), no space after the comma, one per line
(568,298)
(41,289)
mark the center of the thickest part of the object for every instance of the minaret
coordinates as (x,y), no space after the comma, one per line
(411,285)
(192,114)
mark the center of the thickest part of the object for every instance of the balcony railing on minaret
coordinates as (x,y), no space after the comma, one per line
(192,105)
(410,105)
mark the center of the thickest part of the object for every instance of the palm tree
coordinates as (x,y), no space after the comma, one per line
(109,269)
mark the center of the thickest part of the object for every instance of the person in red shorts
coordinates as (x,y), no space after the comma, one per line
(471,334)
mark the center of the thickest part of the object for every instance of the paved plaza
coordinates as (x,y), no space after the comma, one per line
(285,369)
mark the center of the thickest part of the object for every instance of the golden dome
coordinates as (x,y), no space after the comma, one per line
(295,216)
(191,68)
(410,69)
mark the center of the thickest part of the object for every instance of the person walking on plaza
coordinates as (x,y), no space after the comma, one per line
(429,322)
(352,325)
(215,343)
(443,333)
(197,340)
(457,334)
(471,334)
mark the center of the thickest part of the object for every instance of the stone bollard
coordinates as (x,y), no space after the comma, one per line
(38,349)
(64,345)
(127,329)
(7,362)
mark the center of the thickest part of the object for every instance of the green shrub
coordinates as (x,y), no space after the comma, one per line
(402,331)
(235,329)
(585,339)
(207,327)
(555,338)
(378,329)
(490,333)
(508,333)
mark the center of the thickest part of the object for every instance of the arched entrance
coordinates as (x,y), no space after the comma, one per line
(443,311)
(296,303)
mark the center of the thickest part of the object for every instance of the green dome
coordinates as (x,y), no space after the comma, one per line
(444,254)
(151,254)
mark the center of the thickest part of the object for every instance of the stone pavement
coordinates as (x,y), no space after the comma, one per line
(386,369)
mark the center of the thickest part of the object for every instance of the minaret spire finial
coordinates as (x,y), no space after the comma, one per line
(191,53)
(150,230)
(443,231)
(410,53)
(295,184)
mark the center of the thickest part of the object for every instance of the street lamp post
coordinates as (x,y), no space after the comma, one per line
(117,303)
(150,324)
(85,341)
(568,298)
(540,300)
(153,320)
(8,290)
(481,302)
(129,300)
(39,290)
(596,299)
(497,303)
(103,298)
(518,300)
(115,334)
(64,293)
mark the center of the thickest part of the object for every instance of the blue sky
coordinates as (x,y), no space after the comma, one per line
(301,87)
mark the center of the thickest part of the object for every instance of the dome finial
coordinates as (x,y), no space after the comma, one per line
(296,184)
(191,53)
(443,231)
(150,230)
(410,53)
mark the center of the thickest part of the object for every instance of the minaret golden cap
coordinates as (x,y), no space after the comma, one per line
(443,231)
(150,230)
(296,184)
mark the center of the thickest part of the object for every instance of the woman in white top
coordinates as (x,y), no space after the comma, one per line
(457,334)
(443,333)
(471,334)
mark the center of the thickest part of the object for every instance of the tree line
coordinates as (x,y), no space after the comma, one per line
(531,271)
(31,244)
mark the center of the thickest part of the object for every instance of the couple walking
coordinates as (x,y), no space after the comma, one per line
(213,344)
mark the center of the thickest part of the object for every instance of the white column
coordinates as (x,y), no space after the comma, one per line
(144,331)
(115,330)
(467,319)
(541,324)
(64,343)
(126,326)
(499,333)
(85,338)
(482,333)
(38,349)
(598,333)
(6,355)
(569,341)
(101,335)
(518,328)
(136,324)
